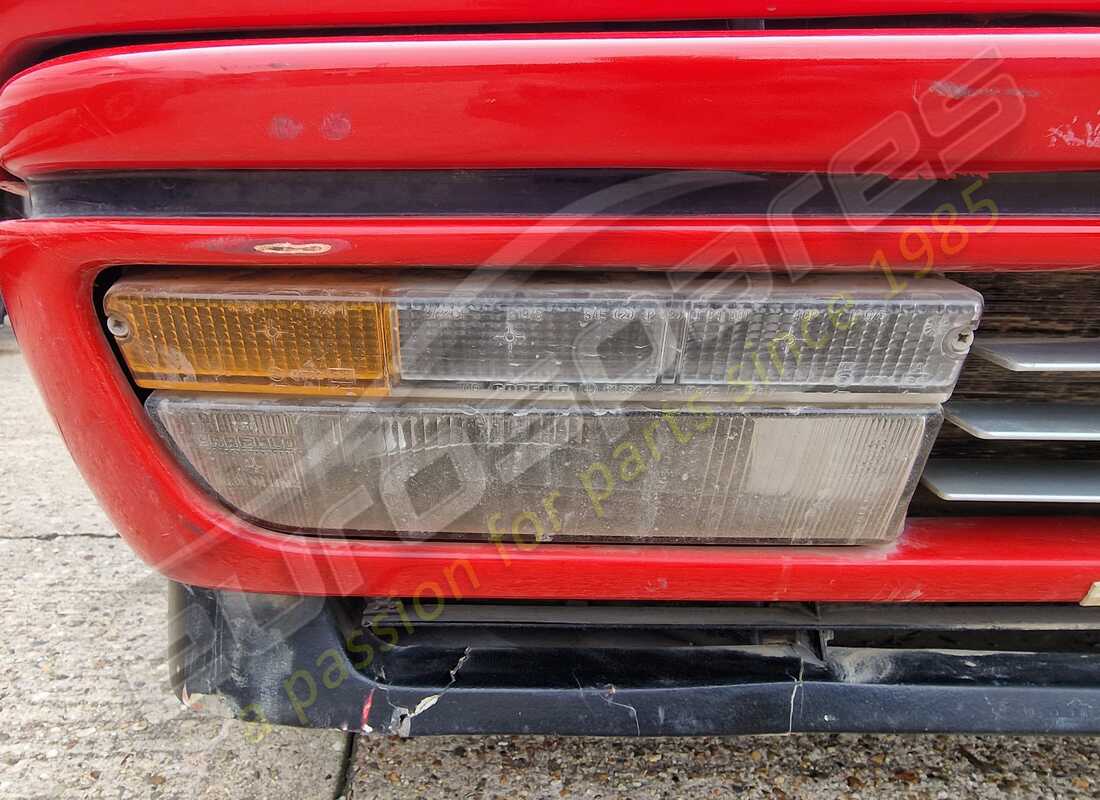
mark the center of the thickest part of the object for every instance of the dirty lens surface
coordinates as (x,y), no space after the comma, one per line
(690,474)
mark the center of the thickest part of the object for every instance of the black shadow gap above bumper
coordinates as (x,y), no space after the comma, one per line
(546,192)
(608,671)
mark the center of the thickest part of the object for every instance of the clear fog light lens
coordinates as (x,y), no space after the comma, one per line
(535,474)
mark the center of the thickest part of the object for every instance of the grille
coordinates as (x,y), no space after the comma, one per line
(1022,430)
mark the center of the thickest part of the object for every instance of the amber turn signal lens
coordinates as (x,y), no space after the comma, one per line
(247,332)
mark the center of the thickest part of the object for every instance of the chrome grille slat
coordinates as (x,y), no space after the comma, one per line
(976,480)
(1020,421)
(1040,354)
(1023,436)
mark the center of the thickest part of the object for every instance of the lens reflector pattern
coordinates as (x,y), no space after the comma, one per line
(324,336)
(691,474)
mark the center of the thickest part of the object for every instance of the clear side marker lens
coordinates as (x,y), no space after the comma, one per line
(361,332)
(827,332)
(575,331)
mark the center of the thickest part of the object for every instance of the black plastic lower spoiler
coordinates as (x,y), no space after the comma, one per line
(613,671)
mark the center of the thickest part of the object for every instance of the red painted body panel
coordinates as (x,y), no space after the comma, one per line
(742,101)
(31,26)
(47,271)
(734,100)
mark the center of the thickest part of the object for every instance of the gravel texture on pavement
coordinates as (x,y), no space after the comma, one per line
(809,767)
(88,712)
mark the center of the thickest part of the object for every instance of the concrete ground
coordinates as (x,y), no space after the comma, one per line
(86,708)
(87,711)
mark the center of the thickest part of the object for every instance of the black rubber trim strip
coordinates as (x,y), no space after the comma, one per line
(772,616)
(305,662)
(543,192)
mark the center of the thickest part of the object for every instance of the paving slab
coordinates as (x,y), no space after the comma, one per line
(86,707)
(41,491)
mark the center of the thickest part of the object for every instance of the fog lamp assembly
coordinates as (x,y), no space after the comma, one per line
(540,474)
(542,408)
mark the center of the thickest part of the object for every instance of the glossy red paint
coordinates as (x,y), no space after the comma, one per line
(651,243)
(47,270)
(799,101)
(31,26)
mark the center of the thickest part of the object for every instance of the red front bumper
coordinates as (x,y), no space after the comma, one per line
(48,273)
(49,268)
